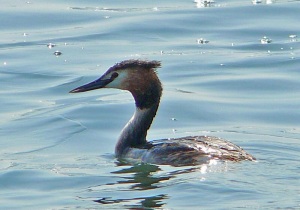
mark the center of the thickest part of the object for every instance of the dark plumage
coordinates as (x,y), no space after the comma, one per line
(133,64)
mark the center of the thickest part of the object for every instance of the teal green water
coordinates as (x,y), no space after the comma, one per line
(56,148)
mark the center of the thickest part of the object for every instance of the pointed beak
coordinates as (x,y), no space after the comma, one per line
(99,83)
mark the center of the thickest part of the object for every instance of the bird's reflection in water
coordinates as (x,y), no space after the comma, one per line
(138,177)
(146,178)
(143,176)
(144,202)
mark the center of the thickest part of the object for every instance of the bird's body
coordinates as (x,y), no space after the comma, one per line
(139,77)
(189,150)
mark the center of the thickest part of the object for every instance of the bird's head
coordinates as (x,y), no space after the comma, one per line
(137,76)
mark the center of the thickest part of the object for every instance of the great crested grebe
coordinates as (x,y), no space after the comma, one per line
(139,77)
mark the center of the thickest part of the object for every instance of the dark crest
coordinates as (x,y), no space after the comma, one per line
(141,64)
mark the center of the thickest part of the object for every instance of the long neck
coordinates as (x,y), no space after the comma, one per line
(135,132)
(146,91)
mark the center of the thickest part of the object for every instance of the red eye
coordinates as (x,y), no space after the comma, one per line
(114,75)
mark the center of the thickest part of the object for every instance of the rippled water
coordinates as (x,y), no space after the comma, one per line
(230,69)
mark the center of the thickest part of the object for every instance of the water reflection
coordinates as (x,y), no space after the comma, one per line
(144,202)
(147,181)
(139,177)
(142,176)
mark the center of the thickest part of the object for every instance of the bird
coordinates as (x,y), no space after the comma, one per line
(140,78)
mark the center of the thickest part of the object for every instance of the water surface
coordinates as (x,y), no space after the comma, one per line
(56,148)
